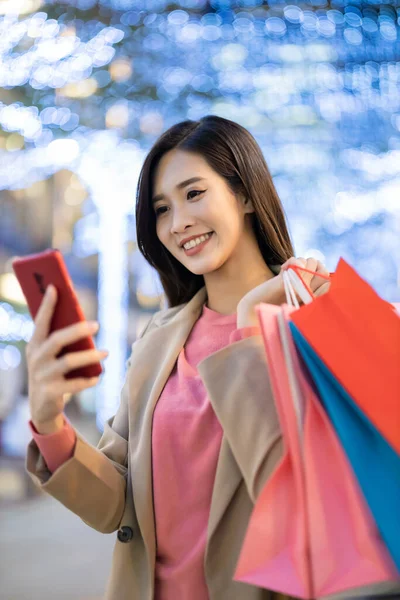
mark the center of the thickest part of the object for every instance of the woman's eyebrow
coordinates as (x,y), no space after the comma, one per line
(181,185)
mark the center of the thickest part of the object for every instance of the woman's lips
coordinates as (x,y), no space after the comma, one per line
(198,248)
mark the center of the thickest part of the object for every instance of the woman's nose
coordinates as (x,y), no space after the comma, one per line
(181,219)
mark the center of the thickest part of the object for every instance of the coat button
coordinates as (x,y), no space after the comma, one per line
(125,534)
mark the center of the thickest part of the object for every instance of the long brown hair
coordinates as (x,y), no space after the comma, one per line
(234,154)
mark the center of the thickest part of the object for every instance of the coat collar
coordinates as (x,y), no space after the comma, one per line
(153,359)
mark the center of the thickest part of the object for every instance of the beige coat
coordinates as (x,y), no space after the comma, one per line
(110,487)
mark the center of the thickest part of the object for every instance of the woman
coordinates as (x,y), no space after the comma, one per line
(179,467)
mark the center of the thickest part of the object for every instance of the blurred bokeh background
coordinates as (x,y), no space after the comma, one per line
(87,86)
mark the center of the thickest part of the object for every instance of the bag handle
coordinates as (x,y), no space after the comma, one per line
(293,283)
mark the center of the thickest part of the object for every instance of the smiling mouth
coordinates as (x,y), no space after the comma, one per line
(201,239)
(192,250)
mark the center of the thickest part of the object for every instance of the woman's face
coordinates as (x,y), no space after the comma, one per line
(187,209)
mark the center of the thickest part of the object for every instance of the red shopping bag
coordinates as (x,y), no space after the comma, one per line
(275,552)
(357,335)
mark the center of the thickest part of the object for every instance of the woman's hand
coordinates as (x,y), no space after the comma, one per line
(46,382)
(273,290)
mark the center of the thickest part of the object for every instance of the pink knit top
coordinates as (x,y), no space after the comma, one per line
(186,439)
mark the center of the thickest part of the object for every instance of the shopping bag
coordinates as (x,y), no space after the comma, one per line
(357,335)
(346,550)
(275,553)
(375,463)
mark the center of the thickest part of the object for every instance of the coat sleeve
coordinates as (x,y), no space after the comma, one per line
(92,482)
(238,386)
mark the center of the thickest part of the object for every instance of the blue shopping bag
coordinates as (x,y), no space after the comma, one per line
(375,464)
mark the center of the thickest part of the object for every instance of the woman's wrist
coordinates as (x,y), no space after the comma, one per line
(246,317)
(246,313)
(49,427)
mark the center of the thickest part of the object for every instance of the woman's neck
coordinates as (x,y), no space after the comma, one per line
(227,286)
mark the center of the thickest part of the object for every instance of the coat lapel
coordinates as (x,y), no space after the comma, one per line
(227,479)
(153,359)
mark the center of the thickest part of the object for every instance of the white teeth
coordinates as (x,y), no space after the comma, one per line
(196,241)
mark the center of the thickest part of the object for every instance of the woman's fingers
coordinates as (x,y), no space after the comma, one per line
(322,270)
(47,384)
(73,360)
(309,278)
(318,285)
(52,346)
(78,384)
(322,289)
(309,263)
(43,317)
(300,261)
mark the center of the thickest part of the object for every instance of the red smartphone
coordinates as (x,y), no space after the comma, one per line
(34,273)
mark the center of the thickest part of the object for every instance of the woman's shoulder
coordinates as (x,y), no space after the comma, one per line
(158,319)
(161,317)
(166,315)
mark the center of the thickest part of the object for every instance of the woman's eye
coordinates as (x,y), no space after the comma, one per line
(160,210)
(196,192)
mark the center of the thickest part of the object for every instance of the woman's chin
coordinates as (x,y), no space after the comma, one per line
(202,269)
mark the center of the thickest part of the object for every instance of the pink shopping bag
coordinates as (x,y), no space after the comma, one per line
(275,553)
